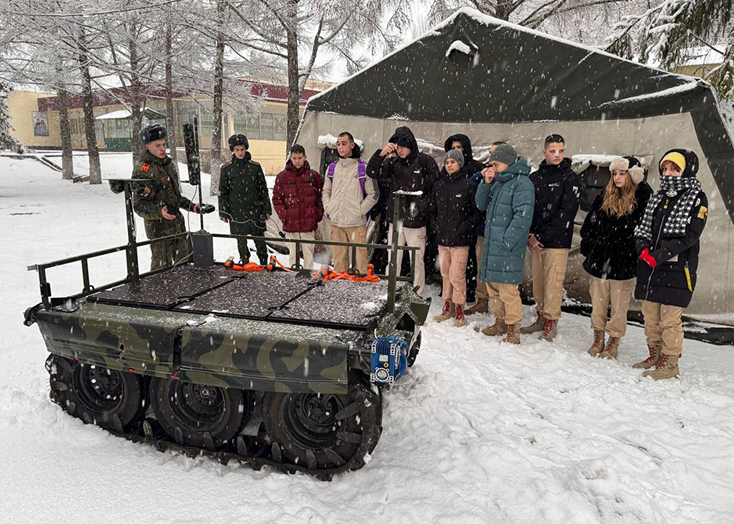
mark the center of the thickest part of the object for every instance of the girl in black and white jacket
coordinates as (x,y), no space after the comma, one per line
(667,241)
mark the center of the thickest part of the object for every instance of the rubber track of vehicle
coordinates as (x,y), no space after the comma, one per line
(370,435)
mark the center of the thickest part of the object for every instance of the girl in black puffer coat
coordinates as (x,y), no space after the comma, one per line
(667,241)
(608,243)
(454,217)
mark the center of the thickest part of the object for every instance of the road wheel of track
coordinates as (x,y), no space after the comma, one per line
(95,394)
(322,431)
(207,416)
(413,353)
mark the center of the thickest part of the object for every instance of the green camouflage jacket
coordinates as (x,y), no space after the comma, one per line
(165,190)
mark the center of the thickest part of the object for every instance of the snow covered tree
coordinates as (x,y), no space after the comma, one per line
(95,168)
(67,162)
(6,140)
(281,29)
(668,31)
(216,149)
(38,51)
(130,67)
(170,117)
(530,13)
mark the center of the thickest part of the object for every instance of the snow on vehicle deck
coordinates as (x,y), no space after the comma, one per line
(476,432)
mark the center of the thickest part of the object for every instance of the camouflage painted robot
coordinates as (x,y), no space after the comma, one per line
(266,367)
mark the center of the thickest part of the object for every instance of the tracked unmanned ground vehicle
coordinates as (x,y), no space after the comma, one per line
(269,367)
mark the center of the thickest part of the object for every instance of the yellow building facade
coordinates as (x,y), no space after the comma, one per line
(35,120)
(31,126)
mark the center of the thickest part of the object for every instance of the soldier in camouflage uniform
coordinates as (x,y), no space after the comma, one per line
(244,202)
(160,203)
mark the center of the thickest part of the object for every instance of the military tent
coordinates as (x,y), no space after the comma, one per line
(493,80)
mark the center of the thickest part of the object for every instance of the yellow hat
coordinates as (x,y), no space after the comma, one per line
(675,157)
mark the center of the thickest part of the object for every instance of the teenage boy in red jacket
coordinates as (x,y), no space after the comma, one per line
(297,199)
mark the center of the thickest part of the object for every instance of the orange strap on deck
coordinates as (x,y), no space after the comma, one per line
(326,273)
(276,261)
(249,267)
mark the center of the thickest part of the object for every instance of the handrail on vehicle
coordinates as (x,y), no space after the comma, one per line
(133,273)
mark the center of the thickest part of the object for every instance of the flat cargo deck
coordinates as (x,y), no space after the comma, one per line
(277,297)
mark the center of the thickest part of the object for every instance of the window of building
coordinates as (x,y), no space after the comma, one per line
(267,126)
(253,127)
(248,125)
(79,125)
(280,127)
(240,124)
(187,113)
(263,126)
(121,128)
(207,123)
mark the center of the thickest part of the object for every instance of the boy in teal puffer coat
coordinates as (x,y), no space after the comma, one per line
(508,197)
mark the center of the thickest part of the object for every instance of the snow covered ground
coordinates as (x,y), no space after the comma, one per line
(477,432)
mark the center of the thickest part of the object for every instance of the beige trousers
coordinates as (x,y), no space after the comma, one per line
(504,301)
(619,293)
(664,327)
(453,272)
(340,254)
(415,237)
(481,288)
(306,248)
(549,270)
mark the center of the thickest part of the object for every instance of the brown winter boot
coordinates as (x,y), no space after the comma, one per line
(481,306)
(549,331)
(446,313)
(498,328)
(598,345)
(513,334)
(612,348)
(536,326)
(652,360)
(667,368)
(460,320)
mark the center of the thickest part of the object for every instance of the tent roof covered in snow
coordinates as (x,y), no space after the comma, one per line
(465,68)
(493,80)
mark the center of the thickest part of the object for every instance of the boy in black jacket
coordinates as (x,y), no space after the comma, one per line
(556,203)
(668,242)
(410,170)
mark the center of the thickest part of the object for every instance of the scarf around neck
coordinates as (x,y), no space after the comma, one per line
(679,218)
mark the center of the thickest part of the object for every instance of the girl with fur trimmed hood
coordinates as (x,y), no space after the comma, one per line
(667,241)
(608,243)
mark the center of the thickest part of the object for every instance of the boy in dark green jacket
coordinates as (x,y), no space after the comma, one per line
(508,197)
(244,202)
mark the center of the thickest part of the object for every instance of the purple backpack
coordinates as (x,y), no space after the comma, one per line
(361,170)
